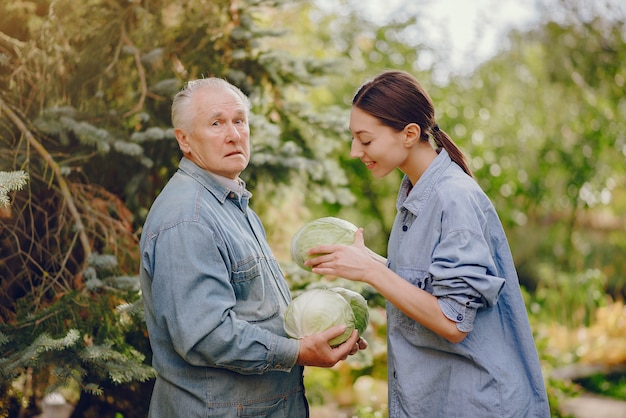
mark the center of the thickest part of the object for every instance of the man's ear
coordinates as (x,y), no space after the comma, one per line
(412,133)
(183,140)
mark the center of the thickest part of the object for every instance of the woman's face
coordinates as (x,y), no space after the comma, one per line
(379,147)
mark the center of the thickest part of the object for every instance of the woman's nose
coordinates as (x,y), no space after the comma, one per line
(355,150)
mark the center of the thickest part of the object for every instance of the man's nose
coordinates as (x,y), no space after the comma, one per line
(233,132)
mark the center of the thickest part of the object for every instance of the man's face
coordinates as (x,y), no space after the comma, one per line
(218,137)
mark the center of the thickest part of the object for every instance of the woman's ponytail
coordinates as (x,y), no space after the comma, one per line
(444,141)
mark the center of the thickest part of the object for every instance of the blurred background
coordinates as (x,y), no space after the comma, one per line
(532,91)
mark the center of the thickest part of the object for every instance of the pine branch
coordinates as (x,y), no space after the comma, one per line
(12,365)
(63,186)
(4,339)
(13,180)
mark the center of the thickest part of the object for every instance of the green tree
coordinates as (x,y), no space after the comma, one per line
(86,89)
(359,49)
(543,122)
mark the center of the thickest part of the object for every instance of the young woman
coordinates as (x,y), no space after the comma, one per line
(459,340)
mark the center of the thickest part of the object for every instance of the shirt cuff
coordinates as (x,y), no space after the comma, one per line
(462,314)
(284,355)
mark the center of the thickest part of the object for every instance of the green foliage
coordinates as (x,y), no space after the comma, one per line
(541,124)
(116,84)
(9,181)
(79,340)
(570,299)
(51,229)
(613,386)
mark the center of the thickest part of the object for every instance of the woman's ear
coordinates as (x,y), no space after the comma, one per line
(412,133)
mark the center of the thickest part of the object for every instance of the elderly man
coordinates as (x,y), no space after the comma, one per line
(213,292)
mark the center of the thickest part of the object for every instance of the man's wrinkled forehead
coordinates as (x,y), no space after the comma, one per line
(220,98)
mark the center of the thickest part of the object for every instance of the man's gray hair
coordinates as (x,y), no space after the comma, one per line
(182,115)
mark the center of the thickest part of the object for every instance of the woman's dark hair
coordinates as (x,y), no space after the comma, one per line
(396,98)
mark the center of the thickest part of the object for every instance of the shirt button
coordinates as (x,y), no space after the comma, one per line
(231,195)
(404,228)
(459,317)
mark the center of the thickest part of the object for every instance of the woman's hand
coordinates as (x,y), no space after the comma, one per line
(352,262)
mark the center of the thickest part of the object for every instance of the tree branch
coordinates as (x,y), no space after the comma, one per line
(63,185)
(142,76)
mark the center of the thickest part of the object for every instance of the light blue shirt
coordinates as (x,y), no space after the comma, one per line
(447,239)
(215,297)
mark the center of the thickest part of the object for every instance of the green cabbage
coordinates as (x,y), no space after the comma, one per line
(359,307)
(316,310)
(321,231)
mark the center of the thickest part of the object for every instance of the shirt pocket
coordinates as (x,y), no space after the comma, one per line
(417,277)
(407,325)
(411,330)
(255,290)
(270,409)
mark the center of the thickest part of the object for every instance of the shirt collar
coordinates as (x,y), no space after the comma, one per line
(412,197)
(237,185)
(222,187)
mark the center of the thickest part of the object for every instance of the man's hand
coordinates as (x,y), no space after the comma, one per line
(361,344)
(315,350)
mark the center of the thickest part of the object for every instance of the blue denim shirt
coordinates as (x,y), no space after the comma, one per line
(447,239)
(214,298)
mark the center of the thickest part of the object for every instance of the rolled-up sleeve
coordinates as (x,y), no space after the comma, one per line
(462,277)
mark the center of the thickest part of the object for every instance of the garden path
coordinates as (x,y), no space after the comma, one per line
(594,406)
